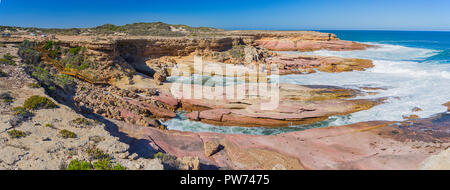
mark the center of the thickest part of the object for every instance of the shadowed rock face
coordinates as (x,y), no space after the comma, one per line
(173,47)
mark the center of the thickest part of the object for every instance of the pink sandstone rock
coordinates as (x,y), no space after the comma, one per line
(370,145)
(214,114)
(295,44)
(193,115)
(156,111)
(166,99)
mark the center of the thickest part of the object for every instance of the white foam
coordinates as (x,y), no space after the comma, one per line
(409,82)
(380,52)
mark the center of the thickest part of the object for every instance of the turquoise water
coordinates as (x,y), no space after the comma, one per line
(413,67)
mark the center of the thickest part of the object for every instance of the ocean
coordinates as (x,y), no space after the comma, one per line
(412,67)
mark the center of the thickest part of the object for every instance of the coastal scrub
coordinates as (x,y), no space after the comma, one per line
(15,134)
(67,134)
(39,102)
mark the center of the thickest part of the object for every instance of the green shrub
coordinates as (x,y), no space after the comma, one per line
(28,54)
(67,134)
(4,61)
(119,167)
(70,66)
(39,102)
(7,60)
(158,155)
(8,56)
(75,50)
(51,88)
(105,164)
(42,75)
(16,134)
(79,165)
(53,54)
(81,121)
(49,44)
(97,153)
(164,157)
(49,125)
(83,66)
(34,85)
(64,81)
(23,112)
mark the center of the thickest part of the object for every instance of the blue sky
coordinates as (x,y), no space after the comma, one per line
(233,14)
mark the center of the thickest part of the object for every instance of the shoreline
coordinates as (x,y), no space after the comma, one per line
(135,96)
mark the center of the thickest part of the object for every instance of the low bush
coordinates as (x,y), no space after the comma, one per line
(170,162)
(8,56)
(34,85)
(83,66)
(81,121)
(102,164)
(21,111)
(28,54)
(21,114)
(39,102)
(49,44)
(16,134)
(119,167)
(79,165)
(64,81)
(7,60)
(54,54)
(67,134)
(75,50)
(105,164)
(164,157)
(50,81)
(97,153)
(42,75)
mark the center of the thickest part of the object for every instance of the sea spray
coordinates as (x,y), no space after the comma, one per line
(410,77)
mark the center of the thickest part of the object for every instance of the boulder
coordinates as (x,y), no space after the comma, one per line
(159,78)
(251,54)
(189,163)
(212,147)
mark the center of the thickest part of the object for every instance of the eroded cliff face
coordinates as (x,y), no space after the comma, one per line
(174,46)
(144,54)
(135,103)
(119,59)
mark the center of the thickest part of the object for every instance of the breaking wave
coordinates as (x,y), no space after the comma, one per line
(409,78)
